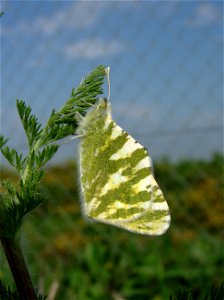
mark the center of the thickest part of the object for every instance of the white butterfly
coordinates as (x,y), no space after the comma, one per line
(116,176)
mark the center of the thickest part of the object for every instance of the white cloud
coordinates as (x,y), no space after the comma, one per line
(93,48)
(80,15)
(205,14)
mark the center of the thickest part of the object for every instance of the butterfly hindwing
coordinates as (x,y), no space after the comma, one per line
(116,177)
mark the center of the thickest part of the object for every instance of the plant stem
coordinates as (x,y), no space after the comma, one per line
(19,270)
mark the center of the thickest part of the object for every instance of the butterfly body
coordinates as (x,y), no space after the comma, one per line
(117,181)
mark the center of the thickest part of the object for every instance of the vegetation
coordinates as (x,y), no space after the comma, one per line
(19,199)
(97,261)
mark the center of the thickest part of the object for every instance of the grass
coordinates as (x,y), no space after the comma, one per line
(93,261)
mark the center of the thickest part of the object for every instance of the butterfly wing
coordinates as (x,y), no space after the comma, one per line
(117,181)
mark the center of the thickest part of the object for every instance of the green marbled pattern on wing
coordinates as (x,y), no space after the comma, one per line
(117,182)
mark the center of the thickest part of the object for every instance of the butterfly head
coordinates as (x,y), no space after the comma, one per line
(100,111)
(103,107)
(103,104)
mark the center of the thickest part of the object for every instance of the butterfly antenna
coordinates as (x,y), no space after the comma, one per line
(107,72)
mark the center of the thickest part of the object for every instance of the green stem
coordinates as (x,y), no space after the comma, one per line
(19,270)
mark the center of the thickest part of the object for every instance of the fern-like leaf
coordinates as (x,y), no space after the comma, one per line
(30,123)
(3,141)
(84,96)
(15,159)
(43,156)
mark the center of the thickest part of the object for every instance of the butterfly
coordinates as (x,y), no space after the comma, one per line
(117,182)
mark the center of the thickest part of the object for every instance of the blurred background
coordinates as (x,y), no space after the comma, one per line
(166,60)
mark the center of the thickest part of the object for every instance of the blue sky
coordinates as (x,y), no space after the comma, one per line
(165,59)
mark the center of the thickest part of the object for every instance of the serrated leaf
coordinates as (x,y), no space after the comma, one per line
(3,141)
(9,187)
(11,218)
(30,123)
(85,94)
(45,155)
(63,123)
(15,159)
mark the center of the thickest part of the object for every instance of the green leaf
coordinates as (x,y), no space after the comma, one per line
(56,132)
(84,96)
(10,216)
(9,186)
(15,159)
(43,156)
(63,123)
(30,123)
(6,293)
(3,141)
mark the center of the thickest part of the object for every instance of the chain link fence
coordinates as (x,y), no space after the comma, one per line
(166,60)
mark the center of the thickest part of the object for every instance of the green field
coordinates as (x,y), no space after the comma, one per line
(93,261)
